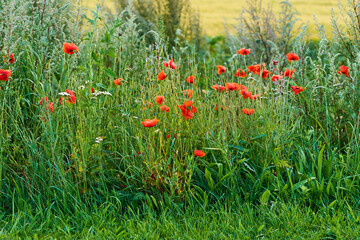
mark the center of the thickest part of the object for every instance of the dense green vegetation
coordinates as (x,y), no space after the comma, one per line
(78,162)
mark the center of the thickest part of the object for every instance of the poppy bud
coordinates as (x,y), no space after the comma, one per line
(153,176)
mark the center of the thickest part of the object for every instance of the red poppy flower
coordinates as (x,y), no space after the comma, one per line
(243,88)
(159,99)
(222,108)
(118,81)
(72,98)
(275,78)
(161,76)
(187,114)
(221,69)
(188,110)
(4,75)
(60,100)
(254,97)
(246,94)
(255,69)
(297,90)
(199,153)
(12,59)
(265,74)
(188,93)
(218,87)
(70,48)
(240,73)
(48,106)
(292,57)
(344,70)
(92,90)
(190,79)
(243,51)
(275,62)
(164,108)
(167,135)
(232,87)
(248,111)
(139,152)
(171,64)
(149,122)
(288,73)
(43,100)
(188,103)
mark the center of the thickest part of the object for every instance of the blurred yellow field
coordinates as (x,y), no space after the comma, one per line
(214,12)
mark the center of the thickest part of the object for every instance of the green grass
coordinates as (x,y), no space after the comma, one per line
(91,170)
(278,221)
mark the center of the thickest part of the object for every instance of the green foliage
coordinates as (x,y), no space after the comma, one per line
(270,36)
(41,25)
(175,19)
(276,221)
(346,30)
(93,160)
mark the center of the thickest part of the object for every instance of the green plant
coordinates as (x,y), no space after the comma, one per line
(90,160)
(175,19)
(270,35)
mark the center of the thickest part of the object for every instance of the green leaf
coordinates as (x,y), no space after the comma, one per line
(107,36)
(110,73)
(327,168)
(259,136)
(320,161)
(332,204)
(110,53)
(239,148)
(265,197)
(261,227)
(81,68)
(118,25)
(154,200)
(94,56)
(209,179)
(224,177)
(299,184)
(100,85)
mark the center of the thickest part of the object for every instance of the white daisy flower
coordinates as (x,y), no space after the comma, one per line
(64,94)
(99,140)
(101,93)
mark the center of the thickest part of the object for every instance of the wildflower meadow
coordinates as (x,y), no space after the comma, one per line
(132,125)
